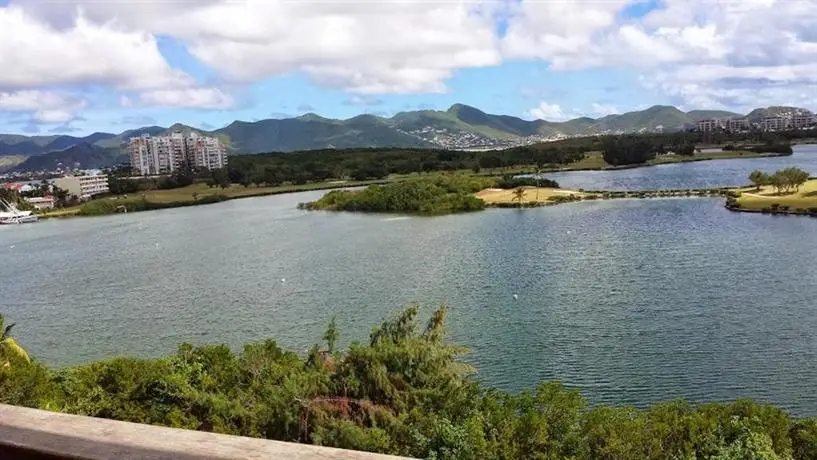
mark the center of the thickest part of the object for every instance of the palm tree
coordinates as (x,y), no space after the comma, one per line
(8,346)
(518,194)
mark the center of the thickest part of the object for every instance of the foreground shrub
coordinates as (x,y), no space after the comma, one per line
(403,391)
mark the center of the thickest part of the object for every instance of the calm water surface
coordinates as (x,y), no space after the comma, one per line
(632,301)
(702,174)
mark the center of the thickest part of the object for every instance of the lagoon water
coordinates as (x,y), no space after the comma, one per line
(631,301)
(701,174)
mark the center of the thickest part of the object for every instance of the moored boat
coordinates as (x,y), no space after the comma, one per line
(12,215)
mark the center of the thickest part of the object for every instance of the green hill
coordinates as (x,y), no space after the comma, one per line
(774,111)
(460,127)
(697,115)
(80,156)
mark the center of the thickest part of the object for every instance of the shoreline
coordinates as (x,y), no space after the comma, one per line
(203,201)
(773,212)
(332,185)
(570,196)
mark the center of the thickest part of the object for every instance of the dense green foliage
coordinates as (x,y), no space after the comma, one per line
(403,392)
(441,194)
(783,180)
(9,350)
(366,164)
(773,147)
(628,150)
(120,180)
(110,206)
(510,181)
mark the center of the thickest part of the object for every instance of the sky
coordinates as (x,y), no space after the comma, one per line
(77,67)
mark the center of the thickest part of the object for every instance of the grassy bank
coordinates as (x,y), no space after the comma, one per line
(767,199)
(196,194)
(730,155)
(594,161)
(530,196)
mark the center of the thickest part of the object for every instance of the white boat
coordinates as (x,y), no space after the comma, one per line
(12,215)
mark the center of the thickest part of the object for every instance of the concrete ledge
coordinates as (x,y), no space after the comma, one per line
(36,434)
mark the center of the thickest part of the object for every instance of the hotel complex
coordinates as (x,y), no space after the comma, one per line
(83,187)
(770,123)
(151,155)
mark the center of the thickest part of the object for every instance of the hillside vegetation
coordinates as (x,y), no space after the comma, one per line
(459,127)
(405,391)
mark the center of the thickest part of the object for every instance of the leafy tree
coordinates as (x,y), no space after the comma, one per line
(759,178)
(782,180)
(626,150)
(519,194)
(331,335)
(749,444)
(9,349)
(687,149)
(803,435)
(220,178)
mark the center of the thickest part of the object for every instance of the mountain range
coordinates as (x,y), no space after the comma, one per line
(459,127)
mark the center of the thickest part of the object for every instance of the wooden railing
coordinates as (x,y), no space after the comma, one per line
(36,434)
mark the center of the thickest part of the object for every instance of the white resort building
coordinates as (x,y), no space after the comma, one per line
(83,187)
(151,155)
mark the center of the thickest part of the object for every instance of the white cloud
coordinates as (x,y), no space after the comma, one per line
(600,110)
(735,55)
(35,54)
(564,32)
(197,98)
(549,112)
(30,100)
(699,52)
(52,117)
(44,107)
(365,47)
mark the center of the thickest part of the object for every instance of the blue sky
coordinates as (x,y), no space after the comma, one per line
(84,66)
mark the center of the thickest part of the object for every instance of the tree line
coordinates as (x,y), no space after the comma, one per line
(403,391)
(376,163)
(277,168)
(784,180)
(371,164)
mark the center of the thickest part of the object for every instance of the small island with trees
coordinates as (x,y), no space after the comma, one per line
(787,191)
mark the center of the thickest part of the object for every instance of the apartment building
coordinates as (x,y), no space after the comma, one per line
(152,155)
(709,124)
(83,187)
(738,124)
(803,121)
(41,202)
(775,123)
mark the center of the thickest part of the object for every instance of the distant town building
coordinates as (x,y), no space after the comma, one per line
(152,155)
(41,202)
(723,124)
(802,121)
(659,129)
(83,187)
(19,187)
(738,124)
(775,123)
(709,124)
